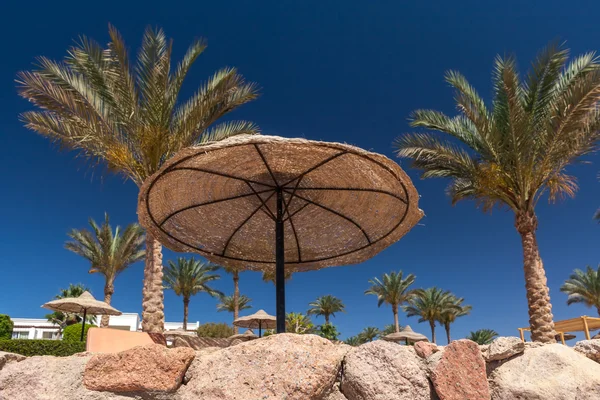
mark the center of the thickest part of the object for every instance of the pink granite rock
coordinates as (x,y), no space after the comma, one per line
(425,349)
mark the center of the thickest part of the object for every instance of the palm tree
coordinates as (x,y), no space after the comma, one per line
(518,151)
(393,290)
(269,276)
(63,319)
(391,328)
(353,341)
(235,273)
(189,277)
(583,287)
(326,306)
(452,310)
(109,254)
(298,323)
(428,304)
(483,336)
(234,305)
(128,115)
(369,334)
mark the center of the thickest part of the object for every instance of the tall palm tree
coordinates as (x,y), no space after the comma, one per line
(109,254)
(452,310)
(234,305)
(516,152)
(129,116)
(235,273)
(369,334)
(583,287)
(326,306)
(393,289)
(428,304)
(189,277)
(483,336)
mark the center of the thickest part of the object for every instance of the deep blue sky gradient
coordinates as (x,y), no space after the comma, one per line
(348,71)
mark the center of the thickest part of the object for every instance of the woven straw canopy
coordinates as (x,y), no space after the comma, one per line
(265,320)
(406,334)
(86,303)
(341,204)
(248,334)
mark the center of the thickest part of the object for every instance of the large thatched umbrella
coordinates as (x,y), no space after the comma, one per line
(270,203)
(84,304)
(259,319)
(406,334)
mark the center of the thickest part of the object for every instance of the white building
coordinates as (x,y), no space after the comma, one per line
(40,328)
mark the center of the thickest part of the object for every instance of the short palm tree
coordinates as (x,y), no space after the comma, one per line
(353,341)
(391,328)
(234,305)
(269,276)
(393,289)
(518,151)
(298,323)
(129,115)
(428,304)
(369,334)
(326,306)
(189,277)
(235,273)
(583,287)
(109,253)
(483,336)
(452,310)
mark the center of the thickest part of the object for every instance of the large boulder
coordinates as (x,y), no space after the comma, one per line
(503,348)
(550,372)
(589,348)
(290,366)
(144,368)
(49,378)
(382,370)
(6,358)
(195,342)
(459,373)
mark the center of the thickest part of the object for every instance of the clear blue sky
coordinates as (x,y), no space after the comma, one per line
(347,71)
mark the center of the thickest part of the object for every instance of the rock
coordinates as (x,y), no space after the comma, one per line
(195,342)
(425,349)
(589,348)
(458,373)
(6,358)
(503,348)
(533,345)
(382,370)
(144,368)
(49,378)
(551,372)
(285,366)
(158,338)
(334,394)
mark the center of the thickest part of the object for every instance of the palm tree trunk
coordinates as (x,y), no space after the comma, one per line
(236,299)
(432,324)
(186,306)
(447,326)
(153,316)
(538,294)
(109,289)
(395,311)
(326,319)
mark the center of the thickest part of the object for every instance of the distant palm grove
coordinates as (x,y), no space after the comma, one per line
(511,153)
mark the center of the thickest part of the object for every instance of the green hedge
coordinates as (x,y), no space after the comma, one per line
(40,347)
(72,333)
(6,327)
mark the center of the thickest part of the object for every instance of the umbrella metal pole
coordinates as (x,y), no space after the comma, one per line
(259,328)
(280,265)
(83,324)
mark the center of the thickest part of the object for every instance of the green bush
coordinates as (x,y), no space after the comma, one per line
(41,347)
(214,330)
(328,331)
(72,333)
(6,327)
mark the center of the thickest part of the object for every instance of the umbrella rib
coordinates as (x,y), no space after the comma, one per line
(296,212)
(295,236)
(242,224)
(336,213)
(268,210)
(206,203)
(354,190)
(320,164)
(217,173)
(266,164)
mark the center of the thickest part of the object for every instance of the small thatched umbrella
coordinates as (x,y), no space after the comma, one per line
(406,334)
(259,319)
(246,335)
(274,204)
(84,304)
